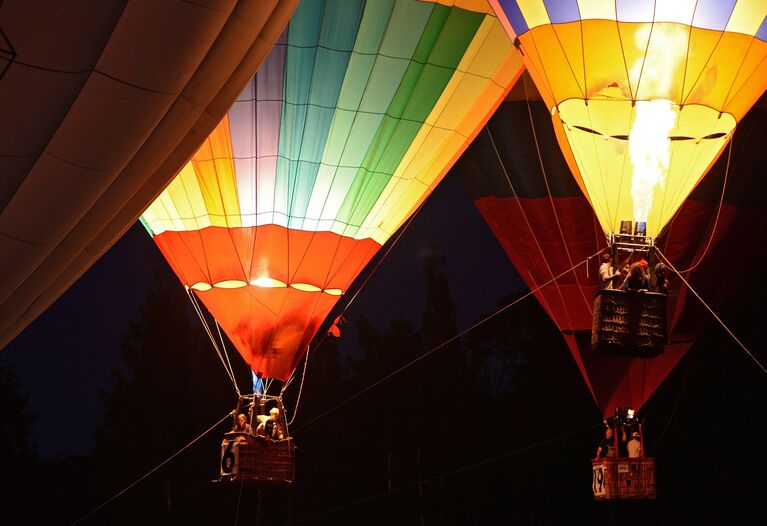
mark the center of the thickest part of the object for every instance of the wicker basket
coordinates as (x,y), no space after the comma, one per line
(623,478)
(255,459)
(629,323)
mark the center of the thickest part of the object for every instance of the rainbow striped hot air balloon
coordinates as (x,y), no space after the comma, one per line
(356,115)
(644,94)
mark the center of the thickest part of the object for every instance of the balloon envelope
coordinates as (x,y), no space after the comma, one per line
(101,103)
(644,95)
(354,118)
(546,225)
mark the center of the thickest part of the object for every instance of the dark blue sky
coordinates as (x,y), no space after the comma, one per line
(66,357)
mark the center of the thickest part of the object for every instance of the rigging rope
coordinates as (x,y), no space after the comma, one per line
(529,226)
(212,338)
(226,354)
(455,471)
(444,343)
(151,471)
(735,338)
(586,302)
(300,390)
(718,210)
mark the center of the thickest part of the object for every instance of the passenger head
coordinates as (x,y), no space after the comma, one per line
(606,258)
(242,420)
(636,270)
(274,413)
(609,433)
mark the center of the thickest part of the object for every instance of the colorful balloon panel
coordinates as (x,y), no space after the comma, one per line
(355,116)
(644,95)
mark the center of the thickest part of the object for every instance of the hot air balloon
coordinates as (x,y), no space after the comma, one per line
(643,95)
(525,199)
(101,104)
(356,115)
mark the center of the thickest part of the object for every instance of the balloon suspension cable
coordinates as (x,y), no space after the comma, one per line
(446,342)
(206,326)
(226,355)
(695,293)
(718,211)
(586,302)
(530,227)
(151,471)
(300,390)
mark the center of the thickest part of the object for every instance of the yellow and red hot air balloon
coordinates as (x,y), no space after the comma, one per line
(522,205)
(644,95)
(355,116)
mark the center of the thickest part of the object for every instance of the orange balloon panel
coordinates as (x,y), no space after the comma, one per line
(356,115)
(216,255)
(269,307)
(268,325)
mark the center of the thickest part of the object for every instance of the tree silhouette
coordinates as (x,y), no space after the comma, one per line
(17,455)
(170,388)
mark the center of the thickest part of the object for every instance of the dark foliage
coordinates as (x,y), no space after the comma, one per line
(494,428)
(17,456)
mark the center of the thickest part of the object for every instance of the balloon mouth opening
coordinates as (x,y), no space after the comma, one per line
(580,115)
(268,283)
(264,282)
(639,159)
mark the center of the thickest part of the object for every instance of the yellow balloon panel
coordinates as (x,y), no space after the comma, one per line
(628,170)
(635,61)
(642,108)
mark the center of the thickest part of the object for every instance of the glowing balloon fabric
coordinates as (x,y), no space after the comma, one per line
(546,226)
(356,115)
(101,103)
(644,95)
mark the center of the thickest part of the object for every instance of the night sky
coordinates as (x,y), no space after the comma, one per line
(65,358)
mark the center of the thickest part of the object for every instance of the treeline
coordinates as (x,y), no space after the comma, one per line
(495,427)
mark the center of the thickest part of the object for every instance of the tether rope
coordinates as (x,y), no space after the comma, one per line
(732,335)
(150,472)
(443,344)
(455,471)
